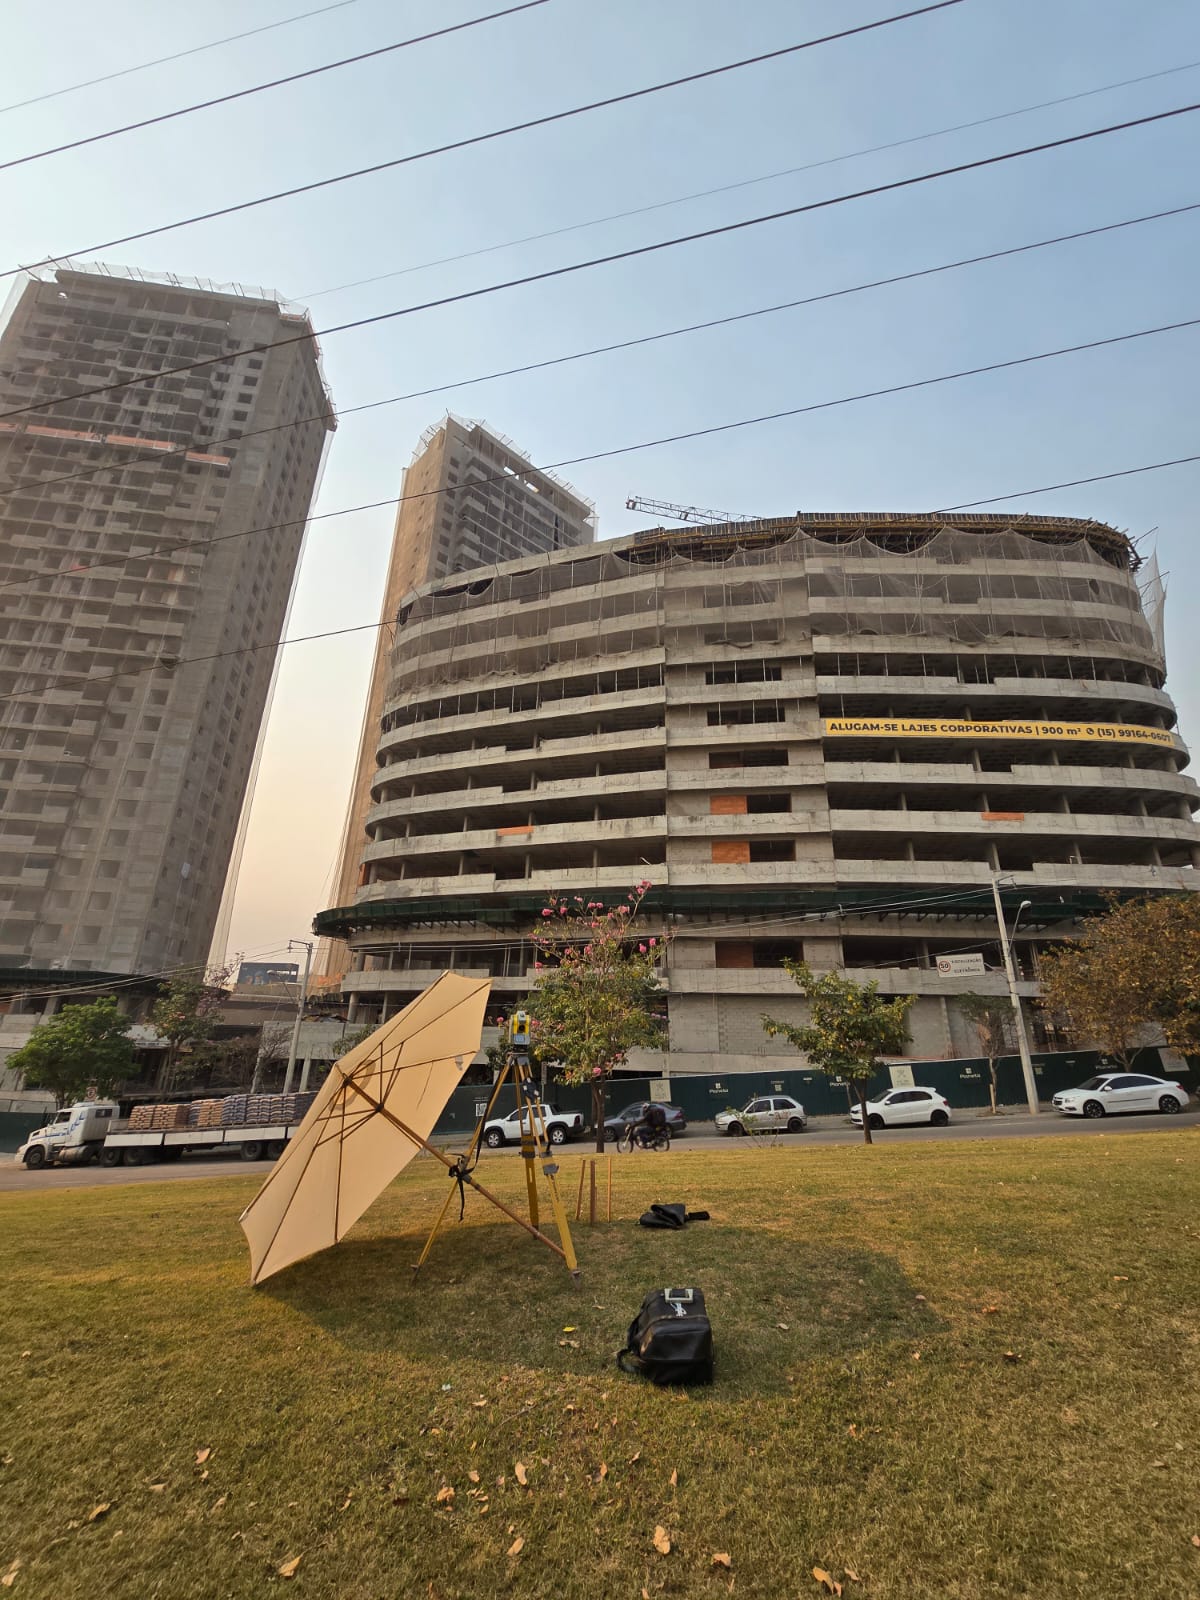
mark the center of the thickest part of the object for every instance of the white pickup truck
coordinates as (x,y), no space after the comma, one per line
(75,1134)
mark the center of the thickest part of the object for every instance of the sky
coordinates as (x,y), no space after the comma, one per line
(994,435)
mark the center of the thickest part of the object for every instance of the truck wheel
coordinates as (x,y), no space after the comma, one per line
(252,1150)
(110,1158)
(133,1157)
(35,1157)
(275,1148)
(170,1152)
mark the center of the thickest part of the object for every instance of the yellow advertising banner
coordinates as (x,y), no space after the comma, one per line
(957,728)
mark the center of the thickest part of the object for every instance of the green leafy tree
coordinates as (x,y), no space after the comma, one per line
(995,1028)
(79,1049)
(186,1015)
(597,993)
(849,1028)
(1133,972)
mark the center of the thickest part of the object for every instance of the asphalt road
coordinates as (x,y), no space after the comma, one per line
(825,1131)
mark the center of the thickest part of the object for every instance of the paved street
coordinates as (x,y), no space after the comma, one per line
(822,1131)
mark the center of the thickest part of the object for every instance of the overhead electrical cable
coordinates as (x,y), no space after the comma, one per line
(172,663)
(632,253)
(1075,483)
(274,83)
(161,457)
(178,55)
(484,138)
(743,183)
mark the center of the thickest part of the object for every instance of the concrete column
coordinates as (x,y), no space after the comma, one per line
(352,1010)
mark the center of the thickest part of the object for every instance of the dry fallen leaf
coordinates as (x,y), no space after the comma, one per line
(288,1569)
(156,1488)
(1118,1279)
(473,1475)
(10,1577)
(99,1511)
(721,1559)
(852,1430)
(1011,1355)
(479,1405)
(570,1328)
(217,1504)
(828,1583)
(603,1472)
(520,1474)
(661,1543)
(636,1456)
(673,1480)
(345,1505)
(852,1575)
(445,1496)
(516,1546)
(202,1456)
(782,1325)
(1196,1540)
(990,1311)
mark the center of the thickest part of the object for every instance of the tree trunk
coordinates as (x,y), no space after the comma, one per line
(860,1090)
(992,1082)
(598,1113)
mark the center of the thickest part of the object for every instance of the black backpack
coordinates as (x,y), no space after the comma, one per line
(670,1339)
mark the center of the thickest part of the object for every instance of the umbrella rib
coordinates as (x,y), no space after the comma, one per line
(485,983)
(283,1214)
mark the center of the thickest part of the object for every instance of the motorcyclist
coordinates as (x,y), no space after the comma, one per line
(650,1124)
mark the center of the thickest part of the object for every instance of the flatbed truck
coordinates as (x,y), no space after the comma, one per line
(92,1131)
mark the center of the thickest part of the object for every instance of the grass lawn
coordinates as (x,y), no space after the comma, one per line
(962,1371)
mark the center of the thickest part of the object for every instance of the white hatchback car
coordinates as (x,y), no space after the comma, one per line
(768,1113)
(1111,1092)
(901,1107)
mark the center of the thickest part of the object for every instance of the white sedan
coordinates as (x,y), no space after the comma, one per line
(769,1113)
(901,1107)
(1111,1092)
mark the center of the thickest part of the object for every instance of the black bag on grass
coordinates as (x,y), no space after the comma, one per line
(670,1339)
(670,1215)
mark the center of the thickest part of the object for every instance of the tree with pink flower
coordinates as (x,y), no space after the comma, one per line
(597,993)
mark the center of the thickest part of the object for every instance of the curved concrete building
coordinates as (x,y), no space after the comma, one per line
(816,736)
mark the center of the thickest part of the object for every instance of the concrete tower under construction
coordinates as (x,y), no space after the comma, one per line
(469,499)
(149,534)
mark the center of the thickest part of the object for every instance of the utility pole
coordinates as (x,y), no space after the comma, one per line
(306,946)
(1031,1093)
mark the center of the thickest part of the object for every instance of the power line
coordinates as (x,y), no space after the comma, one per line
(747,183)
(1075,483)
(597,261)
(273,83)
(484,138)
(724,427)
(172,663)
(161,61)
(604,349)
(133,979)
(111,563)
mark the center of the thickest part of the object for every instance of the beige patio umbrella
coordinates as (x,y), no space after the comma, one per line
(373,1113)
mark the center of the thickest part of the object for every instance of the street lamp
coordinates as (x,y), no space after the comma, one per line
(1031,1093)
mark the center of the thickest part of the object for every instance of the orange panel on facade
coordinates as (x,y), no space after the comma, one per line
(727,805)
(730,851)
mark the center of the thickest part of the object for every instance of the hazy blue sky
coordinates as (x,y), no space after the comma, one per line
(992,435)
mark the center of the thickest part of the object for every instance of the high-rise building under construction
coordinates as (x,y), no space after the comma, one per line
(469,499)
(149,534)
(820,737)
